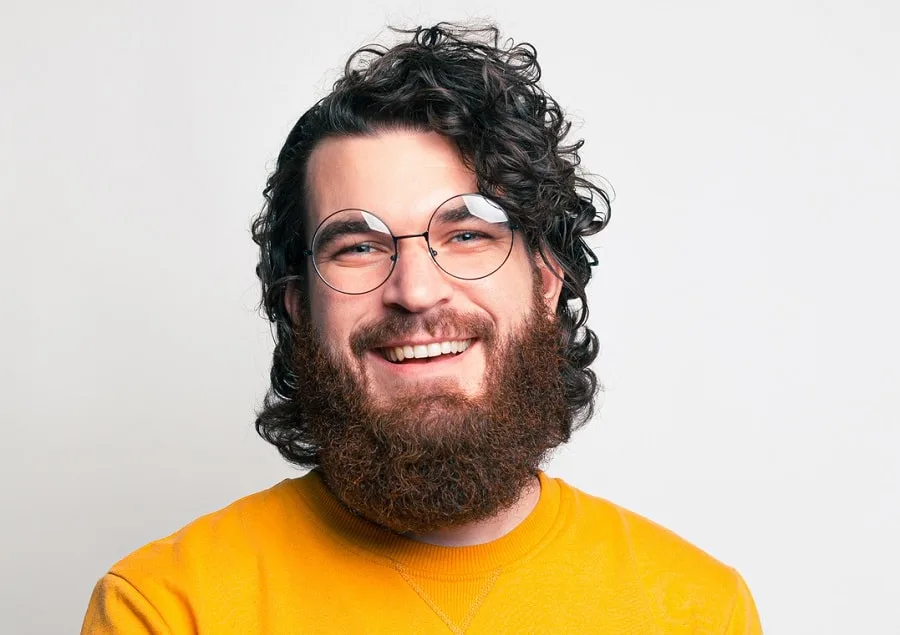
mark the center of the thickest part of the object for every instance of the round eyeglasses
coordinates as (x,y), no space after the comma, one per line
(468,236)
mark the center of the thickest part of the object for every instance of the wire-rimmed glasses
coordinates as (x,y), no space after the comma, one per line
(468,236)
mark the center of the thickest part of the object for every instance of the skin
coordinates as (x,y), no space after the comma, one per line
(402,176)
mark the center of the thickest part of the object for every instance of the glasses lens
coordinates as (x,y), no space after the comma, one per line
(353,251)
(471,236)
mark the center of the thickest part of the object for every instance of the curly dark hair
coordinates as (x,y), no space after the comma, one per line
(463,83)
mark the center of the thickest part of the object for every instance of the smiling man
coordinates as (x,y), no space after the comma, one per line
(423,257)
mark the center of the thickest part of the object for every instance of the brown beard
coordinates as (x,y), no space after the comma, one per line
(433,458)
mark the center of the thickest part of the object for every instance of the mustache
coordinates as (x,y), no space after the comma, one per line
(396,326)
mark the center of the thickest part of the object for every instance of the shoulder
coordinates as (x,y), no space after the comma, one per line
(202,572)
(681,581)
(225,537)
(648,543)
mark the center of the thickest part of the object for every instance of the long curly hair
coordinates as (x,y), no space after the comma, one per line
(484,94)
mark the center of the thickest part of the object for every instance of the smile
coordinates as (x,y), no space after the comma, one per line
(397,354)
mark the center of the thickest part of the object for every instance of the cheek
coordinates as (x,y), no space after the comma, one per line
(507,296)
(331,315)
(516,280)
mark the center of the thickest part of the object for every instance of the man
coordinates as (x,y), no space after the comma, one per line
(422,256)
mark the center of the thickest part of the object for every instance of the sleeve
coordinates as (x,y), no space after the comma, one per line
(118,607)
(744,617)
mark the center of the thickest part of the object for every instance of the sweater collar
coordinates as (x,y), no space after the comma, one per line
(360,534)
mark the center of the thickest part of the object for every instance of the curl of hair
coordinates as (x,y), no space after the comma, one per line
(484,95)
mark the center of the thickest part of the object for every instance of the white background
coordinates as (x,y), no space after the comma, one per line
(746,296)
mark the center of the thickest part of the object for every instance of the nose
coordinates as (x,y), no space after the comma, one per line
(417,284)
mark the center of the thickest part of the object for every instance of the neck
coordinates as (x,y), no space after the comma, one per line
(492,528)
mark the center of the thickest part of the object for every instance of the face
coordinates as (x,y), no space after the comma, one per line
(439,441)
(402,177)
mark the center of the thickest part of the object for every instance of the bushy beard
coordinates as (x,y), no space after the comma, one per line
(430,456)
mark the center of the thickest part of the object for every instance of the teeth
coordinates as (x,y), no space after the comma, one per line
(421,351)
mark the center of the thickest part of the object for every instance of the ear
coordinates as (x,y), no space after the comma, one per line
(551,273)
(292,301)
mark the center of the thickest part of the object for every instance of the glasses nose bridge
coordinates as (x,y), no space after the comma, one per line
(424,235)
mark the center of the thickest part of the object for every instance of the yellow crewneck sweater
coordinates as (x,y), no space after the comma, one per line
(292,559)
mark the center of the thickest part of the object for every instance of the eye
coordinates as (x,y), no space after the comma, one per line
(361,248)
(467,236)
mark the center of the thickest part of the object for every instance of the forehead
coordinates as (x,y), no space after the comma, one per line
(401,176)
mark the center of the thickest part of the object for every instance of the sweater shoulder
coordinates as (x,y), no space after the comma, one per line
(648,541)
(681,581)
(231,533)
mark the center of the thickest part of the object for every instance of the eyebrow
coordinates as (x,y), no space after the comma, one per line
(340,228)
(453,215)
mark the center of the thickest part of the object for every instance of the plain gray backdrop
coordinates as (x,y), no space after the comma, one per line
(746,297)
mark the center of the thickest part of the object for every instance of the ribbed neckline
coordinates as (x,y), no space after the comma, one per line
(359,533)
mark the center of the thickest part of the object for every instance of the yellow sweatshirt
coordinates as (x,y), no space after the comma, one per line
(292,559)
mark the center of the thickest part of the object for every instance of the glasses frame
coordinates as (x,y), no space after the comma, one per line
(431,252)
